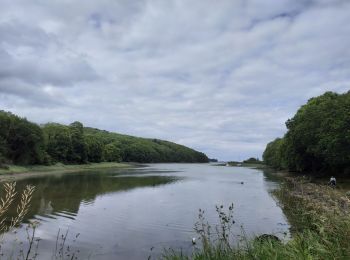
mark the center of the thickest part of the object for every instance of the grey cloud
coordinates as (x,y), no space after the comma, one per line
(222,77)
(27,93)
(32,60)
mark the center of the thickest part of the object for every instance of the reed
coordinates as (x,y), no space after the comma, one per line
(5,203)
(28,250)
(8,200)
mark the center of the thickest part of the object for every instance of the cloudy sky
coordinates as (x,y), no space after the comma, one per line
(219,76)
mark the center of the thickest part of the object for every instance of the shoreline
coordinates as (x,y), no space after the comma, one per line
(15,173)
(319,226)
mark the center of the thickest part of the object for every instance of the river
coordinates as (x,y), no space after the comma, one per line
(136,213)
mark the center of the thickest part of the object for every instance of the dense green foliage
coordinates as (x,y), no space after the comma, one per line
(135,149)
(252,160)
(274,154)
(58,142)
(318,137)
(23,142)
(78,153)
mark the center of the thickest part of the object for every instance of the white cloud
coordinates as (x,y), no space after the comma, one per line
(219,76)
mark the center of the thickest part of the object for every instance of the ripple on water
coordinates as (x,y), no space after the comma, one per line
(126,217)
(88,202)
(65,214)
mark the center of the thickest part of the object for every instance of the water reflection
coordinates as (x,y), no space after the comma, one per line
(121,214)
(64,194)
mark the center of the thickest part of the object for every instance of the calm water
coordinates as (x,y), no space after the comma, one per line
(134,213)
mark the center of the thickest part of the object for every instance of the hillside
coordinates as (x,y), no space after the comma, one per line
(26,143)
(136,149)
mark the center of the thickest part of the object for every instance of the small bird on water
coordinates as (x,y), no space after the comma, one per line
(193,241)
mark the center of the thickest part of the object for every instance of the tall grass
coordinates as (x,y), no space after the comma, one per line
(7,224)
(27,250)
(321,229)
(8,199)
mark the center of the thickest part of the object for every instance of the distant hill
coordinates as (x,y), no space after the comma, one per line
(136,149)
(24,142)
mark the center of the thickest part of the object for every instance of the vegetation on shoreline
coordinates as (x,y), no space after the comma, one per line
(317,140)
(10,198)
(26,143)
(320,221)
(250,163)
(60,167)
(320,226)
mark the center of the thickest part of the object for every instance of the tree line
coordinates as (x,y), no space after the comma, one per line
(317,138)
(26,143)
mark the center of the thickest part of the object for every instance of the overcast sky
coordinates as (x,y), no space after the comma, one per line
(218,76)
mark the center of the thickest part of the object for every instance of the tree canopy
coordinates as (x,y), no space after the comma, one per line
(317,139)
(24,142)
(21,141)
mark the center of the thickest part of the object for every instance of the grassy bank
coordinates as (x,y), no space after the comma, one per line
(247,164)
(15,172)
(320,223)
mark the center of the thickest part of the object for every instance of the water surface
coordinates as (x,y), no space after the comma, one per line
(135,213)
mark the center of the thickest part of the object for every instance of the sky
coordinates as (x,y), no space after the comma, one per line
(218,76)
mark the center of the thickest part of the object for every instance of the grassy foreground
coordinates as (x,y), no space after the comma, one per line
(14,172)
(320,219)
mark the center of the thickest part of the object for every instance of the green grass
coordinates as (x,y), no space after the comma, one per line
(319,215)
(15,169)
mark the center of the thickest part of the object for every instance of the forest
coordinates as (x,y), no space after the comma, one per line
(25,143)
(317,139)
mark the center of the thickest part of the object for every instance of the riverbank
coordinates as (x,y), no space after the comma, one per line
(15,172)
(320,220)
(321,204)
(258,166)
